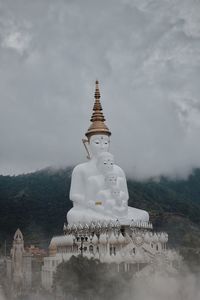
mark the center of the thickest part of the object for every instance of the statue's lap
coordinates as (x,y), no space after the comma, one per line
(79,214)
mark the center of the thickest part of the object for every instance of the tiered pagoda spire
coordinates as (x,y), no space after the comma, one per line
(98,126)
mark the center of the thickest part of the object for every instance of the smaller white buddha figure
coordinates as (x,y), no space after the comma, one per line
(96,183)
(121,205)
(105,162)
(112,198)
(105,192)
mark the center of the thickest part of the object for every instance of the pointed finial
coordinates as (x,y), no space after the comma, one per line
(98,126)
(97,92)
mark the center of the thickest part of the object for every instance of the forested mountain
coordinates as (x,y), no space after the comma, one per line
(37,203)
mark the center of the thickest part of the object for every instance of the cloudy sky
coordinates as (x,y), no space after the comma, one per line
(146,55)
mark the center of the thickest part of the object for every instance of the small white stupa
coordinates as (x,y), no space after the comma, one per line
(101,224)
(19,265)
(17,252)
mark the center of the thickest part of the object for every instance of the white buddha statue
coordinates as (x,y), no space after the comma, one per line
(90,180)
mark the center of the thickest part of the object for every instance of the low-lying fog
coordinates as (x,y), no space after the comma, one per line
(185,286)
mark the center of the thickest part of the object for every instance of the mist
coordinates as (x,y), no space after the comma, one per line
(158,286)
(1,295)
(162,287)
(145,55)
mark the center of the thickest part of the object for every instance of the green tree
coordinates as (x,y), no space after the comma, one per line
(85,278)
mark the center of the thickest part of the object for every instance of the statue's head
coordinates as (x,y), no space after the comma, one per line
(98,133)
(105,162)
(111,179)
(99,143)
(115,192)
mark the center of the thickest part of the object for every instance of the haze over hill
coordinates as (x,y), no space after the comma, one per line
(146,56)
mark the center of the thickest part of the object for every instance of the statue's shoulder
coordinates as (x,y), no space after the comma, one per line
(86,168)
(119,170)
(81,168)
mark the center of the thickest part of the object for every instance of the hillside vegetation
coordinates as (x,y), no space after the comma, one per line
(37,203)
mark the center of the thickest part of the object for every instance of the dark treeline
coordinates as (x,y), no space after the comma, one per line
(37,203)
(83,278)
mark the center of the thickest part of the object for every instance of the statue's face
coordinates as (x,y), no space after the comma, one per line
(99,143)
(111,179)
(105,162)
(115,192)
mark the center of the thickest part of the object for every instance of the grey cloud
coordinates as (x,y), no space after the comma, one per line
(147,58)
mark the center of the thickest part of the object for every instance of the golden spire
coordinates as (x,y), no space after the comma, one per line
(98,126)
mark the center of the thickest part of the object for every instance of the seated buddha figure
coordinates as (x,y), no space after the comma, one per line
(88,179)
(110,197)
(97,183)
